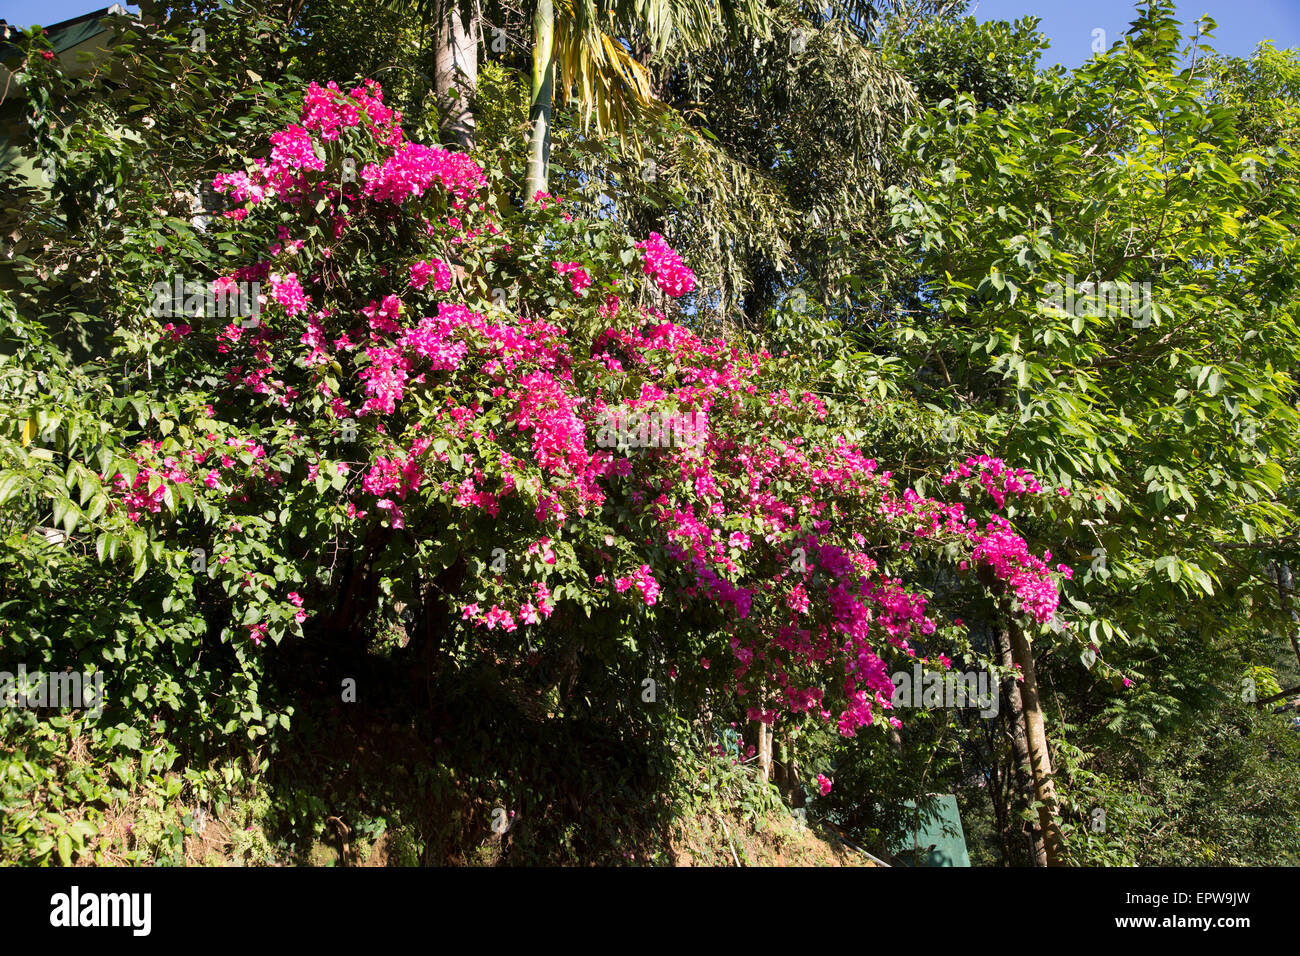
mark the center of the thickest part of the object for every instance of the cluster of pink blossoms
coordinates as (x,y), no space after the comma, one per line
(578,278)
(385,380)
(548,413)
(542,547)
(434,340)
(328,110)
(644,581)
(395,476)
(287,293)
(136,495)
(1029,578)
(529,612)
(665,266)
(414,168)
(864,610)
(170,471)
(421,271)
(997,478)
(293,149)
(241,187)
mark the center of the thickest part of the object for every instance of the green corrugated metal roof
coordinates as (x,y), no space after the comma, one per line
(932,835)
(66,34)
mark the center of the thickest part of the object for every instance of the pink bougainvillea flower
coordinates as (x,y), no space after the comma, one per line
(579,280)
(665,266)
(413,168)
(437,269)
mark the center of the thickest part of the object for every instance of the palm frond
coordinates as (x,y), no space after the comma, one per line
(597,70)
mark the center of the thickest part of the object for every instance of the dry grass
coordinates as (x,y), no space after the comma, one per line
(778,841)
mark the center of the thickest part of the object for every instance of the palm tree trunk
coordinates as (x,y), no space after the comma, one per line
(456,76)
(539,145)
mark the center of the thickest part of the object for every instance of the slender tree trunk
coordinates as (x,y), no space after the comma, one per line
(1040,759)
(1285,590)
(456,76)
(760,738)
(786,769)
(539,145)
(1022,786)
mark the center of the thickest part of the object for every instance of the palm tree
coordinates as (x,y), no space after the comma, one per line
(590,43)
(592,52)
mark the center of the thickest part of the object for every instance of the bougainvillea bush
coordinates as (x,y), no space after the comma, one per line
(441,378)
(474,415)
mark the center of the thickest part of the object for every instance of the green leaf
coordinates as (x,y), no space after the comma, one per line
(10,482)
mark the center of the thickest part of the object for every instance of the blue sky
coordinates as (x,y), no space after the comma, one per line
(1069,23)
(25,13)
(1241,24)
